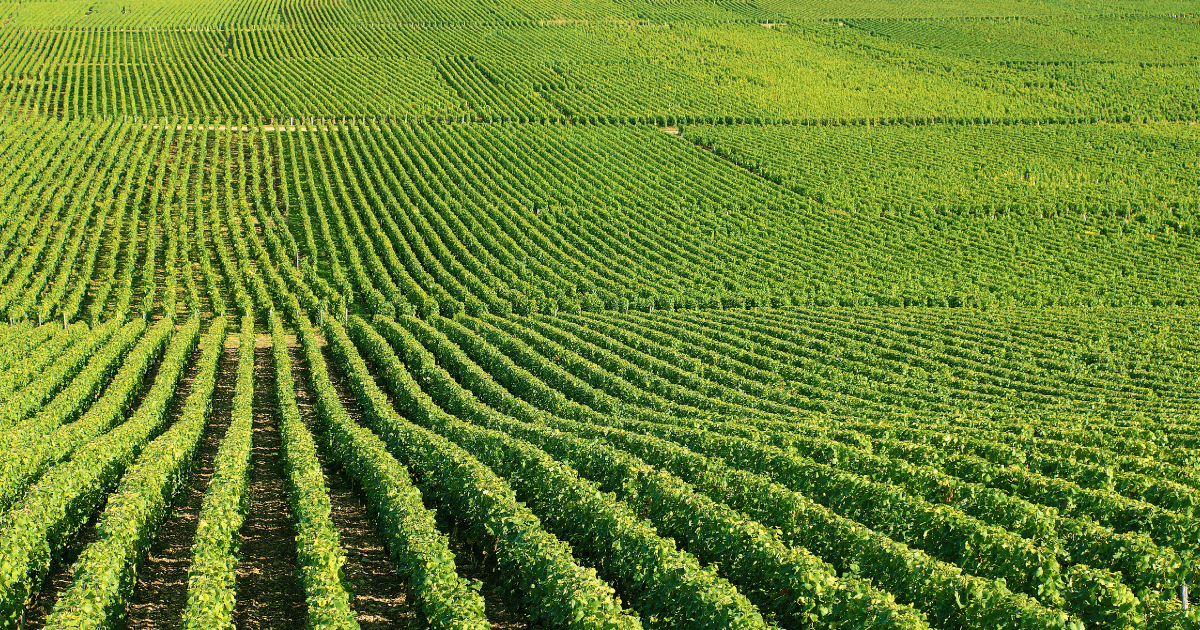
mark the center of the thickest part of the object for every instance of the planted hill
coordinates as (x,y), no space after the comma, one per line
(1140,173)
(293,63)
(544,218)
(612,315)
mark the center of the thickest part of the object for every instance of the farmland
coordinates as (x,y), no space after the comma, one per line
(611,315)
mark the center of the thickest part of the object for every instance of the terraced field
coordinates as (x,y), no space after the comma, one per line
(614,315)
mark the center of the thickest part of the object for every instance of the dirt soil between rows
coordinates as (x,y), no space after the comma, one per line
(269,596)
(160,595)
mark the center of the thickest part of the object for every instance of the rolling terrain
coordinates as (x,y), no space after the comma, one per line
(614,315)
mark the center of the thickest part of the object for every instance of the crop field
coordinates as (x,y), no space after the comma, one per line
(609,315)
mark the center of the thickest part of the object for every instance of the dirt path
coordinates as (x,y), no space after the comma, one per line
(160,595)
(268,588)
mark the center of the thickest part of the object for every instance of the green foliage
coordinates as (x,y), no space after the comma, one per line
(570,218)
(537,567)
(319,555)
(42,357)
(212,575)
(104,575)
(828,314)
(86,367)
(420,551)
(38,443)
(55,507)
(1121,179)
(666,585)
(793,585)
(911,574)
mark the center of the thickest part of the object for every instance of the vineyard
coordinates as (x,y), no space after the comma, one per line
(620,315)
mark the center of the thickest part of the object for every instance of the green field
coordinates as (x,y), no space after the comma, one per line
(617,315)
